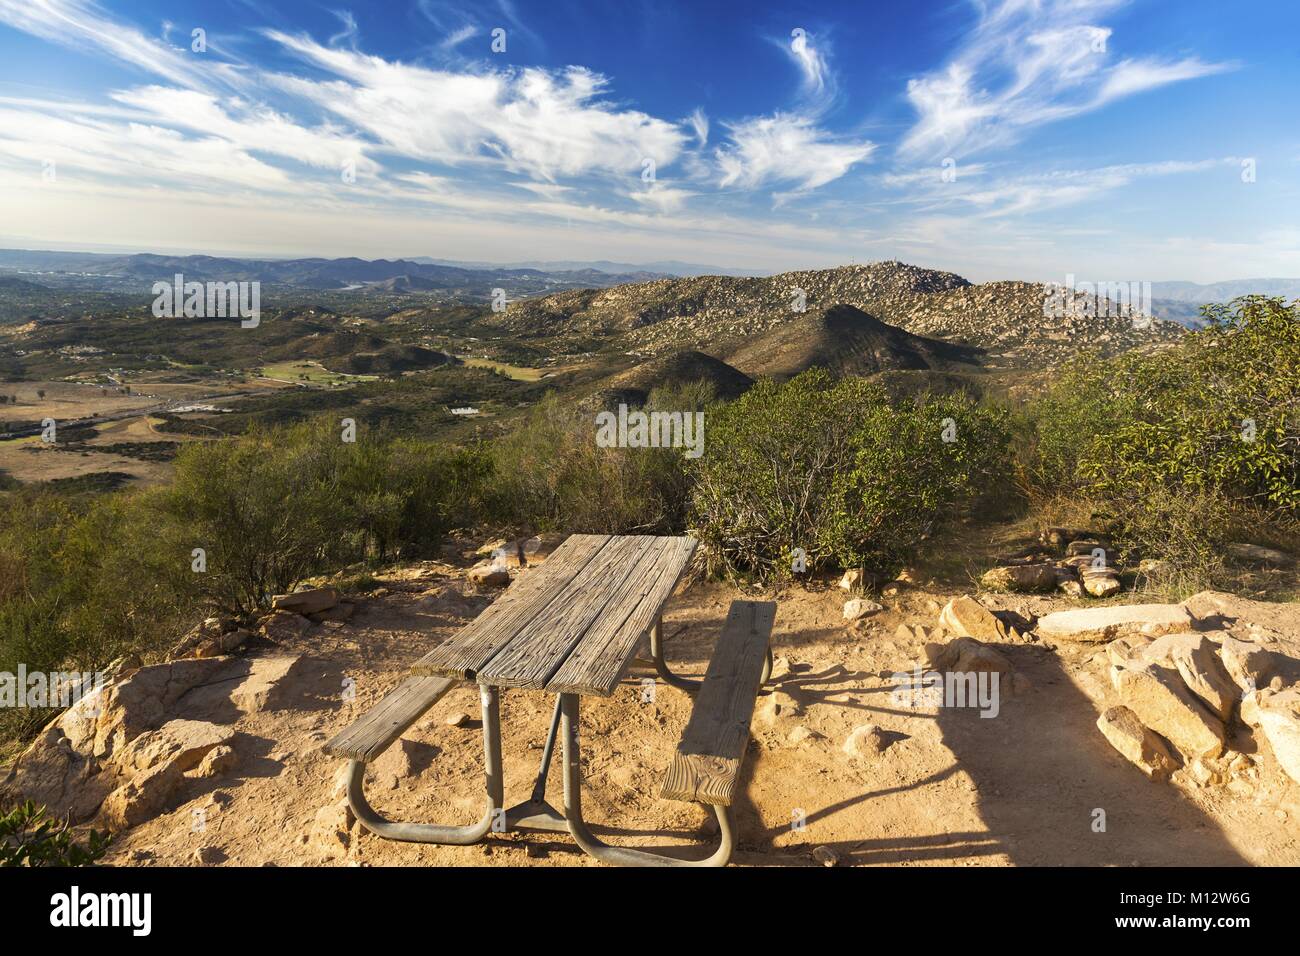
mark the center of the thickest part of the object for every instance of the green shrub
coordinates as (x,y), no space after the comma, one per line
(83,581)
(281,504)
(29,838)
(838,470)
(551,474)
(1179,440)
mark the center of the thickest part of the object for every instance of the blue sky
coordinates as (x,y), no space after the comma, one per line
(1030,139)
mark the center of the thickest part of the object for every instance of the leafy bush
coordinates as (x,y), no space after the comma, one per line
(281,504)
(1180,441)
(29,838)
(551,474)
(837,470)
(83,581)
(1221,412)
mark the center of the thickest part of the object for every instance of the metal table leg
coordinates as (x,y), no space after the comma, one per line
(686,683)
(431,833)
(588,841)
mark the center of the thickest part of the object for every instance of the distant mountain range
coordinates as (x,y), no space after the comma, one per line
(125,273)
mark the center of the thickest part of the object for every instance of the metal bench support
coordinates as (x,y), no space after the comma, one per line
(588,841)
(493,816)
(687,684)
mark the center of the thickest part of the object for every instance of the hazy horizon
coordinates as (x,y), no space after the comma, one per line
(1110,139)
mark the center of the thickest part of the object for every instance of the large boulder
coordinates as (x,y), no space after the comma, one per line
(1096,624)
(1247,663)
(148,698)
(134,739)
(1160,699)
(153,766)
(1194,657)
(1138,743)
(967,617)
(1020,577)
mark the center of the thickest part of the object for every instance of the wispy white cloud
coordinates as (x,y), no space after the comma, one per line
(785,148)
(543,123)
(791,147)
(82,25)
(811,60)
(1011,194)
(699,124)
(1025,63)
(350,31)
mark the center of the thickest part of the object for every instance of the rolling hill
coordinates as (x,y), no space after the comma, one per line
(634,386)
(846,341)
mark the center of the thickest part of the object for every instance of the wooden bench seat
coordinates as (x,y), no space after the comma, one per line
(375,731)
(707,764)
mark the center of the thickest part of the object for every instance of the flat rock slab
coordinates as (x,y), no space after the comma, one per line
(1096,624)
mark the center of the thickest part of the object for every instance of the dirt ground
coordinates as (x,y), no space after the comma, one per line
(952,788)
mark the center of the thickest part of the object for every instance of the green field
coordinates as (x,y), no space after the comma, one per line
(311,372)
(518,372)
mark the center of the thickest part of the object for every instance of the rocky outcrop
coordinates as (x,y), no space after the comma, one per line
(124,750)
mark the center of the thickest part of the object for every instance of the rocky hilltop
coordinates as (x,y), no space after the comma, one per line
(716,313)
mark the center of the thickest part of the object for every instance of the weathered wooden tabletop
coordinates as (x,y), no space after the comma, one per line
(572,625)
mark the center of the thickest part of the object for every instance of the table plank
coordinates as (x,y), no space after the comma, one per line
(465,654)
(602,656)
(609,585)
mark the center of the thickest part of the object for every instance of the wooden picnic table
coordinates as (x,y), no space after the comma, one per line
(572,627)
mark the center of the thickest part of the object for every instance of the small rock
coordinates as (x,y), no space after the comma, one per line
(1101,584)
(1022,577)
(802,733)
(487,575)
(458,719)
(965,655)
(778,706)
(852,579)
(966,617)
(860,608)
(825,856)
(209,855)
(865,740)
(218,761)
